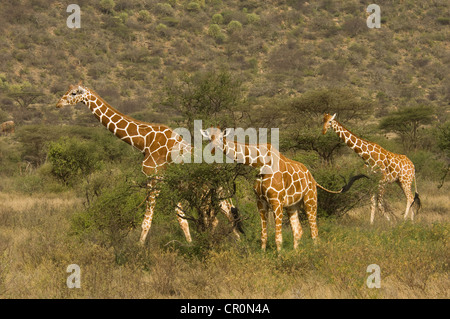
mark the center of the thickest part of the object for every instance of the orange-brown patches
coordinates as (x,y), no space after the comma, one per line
(109,113)
(122,124)
(105,121)
(116,118)
(127,139)
(364,148)
(138,142)
(132,129)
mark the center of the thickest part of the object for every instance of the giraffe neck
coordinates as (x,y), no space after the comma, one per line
(122,126)
(137,133)
(354,142)
(255,155)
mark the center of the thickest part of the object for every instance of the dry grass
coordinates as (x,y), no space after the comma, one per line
(36,246)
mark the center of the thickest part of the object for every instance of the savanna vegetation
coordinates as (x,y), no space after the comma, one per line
(72,193)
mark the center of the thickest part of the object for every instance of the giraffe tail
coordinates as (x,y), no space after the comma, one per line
(347,186)
(237,219)
(416,197)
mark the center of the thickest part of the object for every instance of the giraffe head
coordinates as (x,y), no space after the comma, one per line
(75,94)
(216,136)
(327,119)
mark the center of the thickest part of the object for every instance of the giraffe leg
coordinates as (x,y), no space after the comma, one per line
(147,222)
(373,207)
(226,206)
(310,201)
(406,187)
(381,190)
(183,222)
(277,208)
(295,225)
(262,207)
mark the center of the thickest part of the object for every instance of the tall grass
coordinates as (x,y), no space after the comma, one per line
(37,244)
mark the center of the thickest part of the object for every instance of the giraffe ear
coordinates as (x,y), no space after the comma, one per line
(205,134)
(227,132)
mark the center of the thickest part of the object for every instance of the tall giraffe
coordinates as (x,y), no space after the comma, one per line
(394,167)
(155,141)
(282,183)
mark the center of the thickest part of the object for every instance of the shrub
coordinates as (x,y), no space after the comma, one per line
(253,18)
(427,165)
(33,139)
(112,215)
(234,26)
(199,188)
(9,157)
(164,9)
(334,179)
(107,5)
(217,18)
(193,6)
(162,30)
(71,158)
(144,16)
(215,32)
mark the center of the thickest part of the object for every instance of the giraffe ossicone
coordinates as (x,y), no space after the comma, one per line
(154,141)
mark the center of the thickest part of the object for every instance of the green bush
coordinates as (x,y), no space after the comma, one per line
(193,6)
(334,179)
(215,32)
(162,30)
(199,188)
(107,5)
(112,215)
(234,26)
(9,157)
(253,18)
(33,139)
(427,164)
(71,158)
(164,9)
(217,18)
(144,16)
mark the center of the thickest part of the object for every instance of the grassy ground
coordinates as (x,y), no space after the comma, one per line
(37,245)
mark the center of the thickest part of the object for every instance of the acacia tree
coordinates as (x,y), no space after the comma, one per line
(209,96)
(200,187)
(406,123)
(24,94)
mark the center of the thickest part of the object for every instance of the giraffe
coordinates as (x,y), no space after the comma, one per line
(394,167)
(7,127)
(155,141)
(281,183)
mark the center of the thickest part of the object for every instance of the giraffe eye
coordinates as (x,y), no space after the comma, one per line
(73,93)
